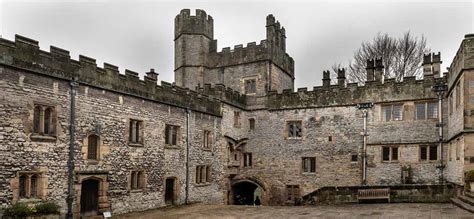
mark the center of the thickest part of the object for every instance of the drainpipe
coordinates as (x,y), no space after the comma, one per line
(70,161)
(186,199)
(440,88)
(364,107)
(364,164)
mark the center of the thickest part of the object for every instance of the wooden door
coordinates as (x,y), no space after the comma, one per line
(89,197)
(169,191)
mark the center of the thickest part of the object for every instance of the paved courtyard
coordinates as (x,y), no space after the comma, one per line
(384,211)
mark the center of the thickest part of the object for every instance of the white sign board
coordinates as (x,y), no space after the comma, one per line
(107,214)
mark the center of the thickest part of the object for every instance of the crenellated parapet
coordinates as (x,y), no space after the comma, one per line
(223,93)
(201,23)
(253,52)
(338,95)
(271,49)
(464,59)
(25,54)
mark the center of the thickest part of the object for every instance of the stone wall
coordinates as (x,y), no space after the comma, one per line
(401,193)
(21,89)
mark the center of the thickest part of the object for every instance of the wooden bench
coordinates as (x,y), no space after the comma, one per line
(373,194)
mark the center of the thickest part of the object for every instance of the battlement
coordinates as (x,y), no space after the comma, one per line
(464,59)
(219,91)
(351,94)
(276,35)
(253,52)
(201,23)
(24,53)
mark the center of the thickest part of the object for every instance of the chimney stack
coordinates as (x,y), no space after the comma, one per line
(326,79)
(370,69)
(427,68)
(378,70)
(341,77)
(152,75)
(436,65)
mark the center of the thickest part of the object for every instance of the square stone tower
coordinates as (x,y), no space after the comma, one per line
(252,70)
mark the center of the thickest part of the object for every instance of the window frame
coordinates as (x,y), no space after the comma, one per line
(172,135)
(135,132)
(356,158)
(428,148)
(247,161)
(237,117)
(392,114)
(251,123)
(292,193)
(311,169)
(137,180)
(426,111)
(207,140)
(41,127)
(27,189)
(97,147)
(254,88)
(294,134)
(202,175)
(391,154)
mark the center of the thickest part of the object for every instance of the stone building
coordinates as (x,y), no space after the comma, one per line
(230,128)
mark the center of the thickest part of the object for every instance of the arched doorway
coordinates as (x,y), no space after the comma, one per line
(89,197)
(245,193)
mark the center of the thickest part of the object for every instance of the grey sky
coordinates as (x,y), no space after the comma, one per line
(138,35)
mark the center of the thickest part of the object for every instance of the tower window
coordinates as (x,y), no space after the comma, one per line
(136,131)
(250,86)
(294,129)
(247,159)
(171,134)
(251,123)
(44,120)
(309,164)
(93,147)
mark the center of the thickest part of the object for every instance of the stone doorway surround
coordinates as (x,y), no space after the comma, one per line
(253,184)
(103,199)
(171,190)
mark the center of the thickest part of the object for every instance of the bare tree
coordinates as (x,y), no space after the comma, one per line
(401,57)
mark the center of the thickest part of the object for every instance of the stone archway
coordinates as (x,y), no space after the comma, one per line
(93,185)
(245,192)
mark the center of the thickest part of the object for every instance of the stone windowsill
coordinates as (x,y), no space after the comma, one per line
(207,149)
(309,174)
(294,138)
(202,184)
(168,146)
(92,162)
(29,200)
(429,161)
(136,190)
(38,137)
(391,162)
(135,144)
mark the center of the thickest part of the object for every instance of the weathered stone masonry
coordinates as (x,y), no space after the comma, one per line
(321,149)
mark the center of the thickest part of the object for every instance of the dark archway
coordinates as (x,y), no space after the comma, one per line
(244,193)
(89,197)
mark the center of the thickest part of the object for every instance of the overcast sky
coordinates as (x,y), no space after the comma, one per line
(138,35)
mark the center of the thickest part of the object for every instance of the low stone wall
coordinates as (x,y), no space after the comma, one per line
(398,193)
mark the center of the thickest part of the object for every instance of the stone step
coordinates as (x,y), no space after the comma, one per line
(466,199)
(469,194)
(462,205)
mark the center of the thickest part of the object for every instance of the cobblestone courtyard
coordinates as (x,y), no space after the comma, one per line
(384,211)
